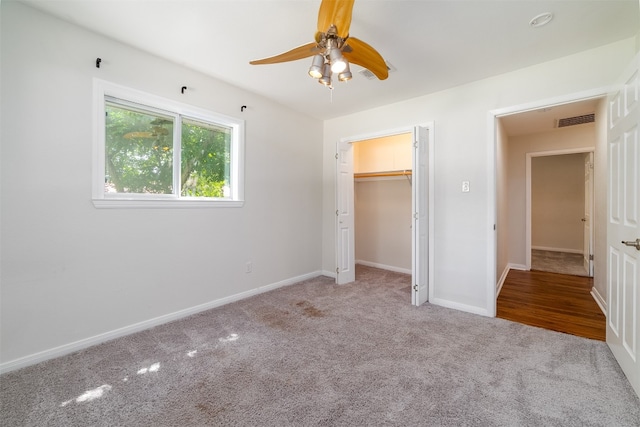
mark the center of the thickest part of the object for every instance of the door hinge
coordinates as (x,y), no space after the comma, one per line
(337,270)
(337,212)
(415,144)
(415,288)
(591,257)
(336,156)
(415,215)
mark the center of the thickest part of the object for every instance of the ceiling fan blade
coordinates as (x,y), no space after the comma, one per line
(362,54)
(300,52)
(335,12)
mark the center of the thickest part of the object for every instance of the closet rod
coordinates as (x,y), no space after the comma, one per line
(379,174)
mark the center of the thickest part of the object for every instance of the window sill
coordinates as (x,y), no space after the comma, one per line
(165,204)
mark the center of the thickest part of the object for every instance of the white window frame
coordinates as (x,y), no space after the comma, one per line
(101,199)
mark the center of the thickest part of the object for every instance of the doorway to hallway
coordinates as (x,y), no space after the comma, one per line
(558,302)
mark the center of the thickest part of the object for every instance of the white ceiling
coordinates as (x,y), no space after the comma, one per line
(433,44)
(546,118)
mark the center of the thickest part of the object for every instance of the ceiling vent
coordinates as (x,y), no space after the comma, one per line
(577,120)
(368,74)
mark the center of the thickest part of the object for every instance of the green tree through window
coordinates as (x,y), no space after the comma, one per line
(206,156)
(140,157)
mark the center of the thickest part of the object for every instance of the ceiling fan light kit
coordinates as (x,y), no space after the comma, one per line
(337,61)
(333,48)
(317,65)
(326,75)
(345,75)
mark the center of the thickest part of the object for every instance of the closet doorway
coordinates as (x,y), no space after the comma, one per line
(392,176)
(382,170)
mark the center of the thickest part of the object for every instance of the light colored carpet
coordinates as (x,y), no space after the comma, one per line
(318,354)
(558,262)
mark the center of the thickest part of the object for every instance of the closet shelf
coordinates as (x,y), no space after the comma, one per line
(382,174)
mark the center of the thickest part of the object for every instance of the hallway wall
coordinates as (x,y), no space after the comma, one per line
(557,203)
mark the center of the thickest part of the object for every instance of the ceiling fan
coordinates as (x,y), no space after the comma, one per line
(333,48)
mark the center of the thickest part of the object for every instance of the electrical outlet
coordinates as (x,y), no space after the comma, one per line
(248,267)
(465,186)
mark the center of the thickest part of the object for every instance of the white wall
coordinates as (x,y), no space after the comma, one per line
(557,202)
(573,137)
(383,223)
(638,38)
(464,255)
(70,271)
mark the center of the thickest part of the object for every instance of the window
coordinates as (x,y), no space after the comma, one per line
(153,152)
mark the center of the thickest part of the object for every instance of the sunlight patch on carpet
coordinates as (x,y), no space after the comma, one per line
(231,337)
(153,368)
(89,395)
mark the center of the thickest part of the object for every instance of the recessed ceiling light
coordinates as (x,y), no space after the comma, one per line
(541,20)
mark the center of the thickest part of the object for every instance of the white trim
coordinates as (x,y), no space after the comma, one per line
(492,246)
(562,151)
(550,102)
(462,307)
(599,300)
(431,130)
(328,273)
(501,281)
(137,327)
(172,203)
(378,134)
(384,266)
(506,271)
(492,216)
(503,278)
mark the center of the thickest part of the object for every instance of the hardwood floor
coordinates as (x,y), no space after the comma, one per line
(553,301)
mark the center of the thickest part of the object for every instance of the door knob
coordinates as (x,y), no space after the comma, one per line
(635,244)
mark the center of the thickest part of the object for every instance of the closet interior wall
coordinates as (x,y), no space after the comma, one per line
(382,202)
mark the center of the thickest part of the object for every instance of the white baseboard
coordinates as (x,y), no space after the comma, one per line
(570,251)
(62,350)
(461,307)
(383,266)
(594,292)
(328,273)
(599,300)
(503,277)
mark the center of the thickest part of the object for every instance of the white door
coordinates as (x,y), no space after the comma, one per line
(420,209)
(623,266)
(345,243)
(587,245)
